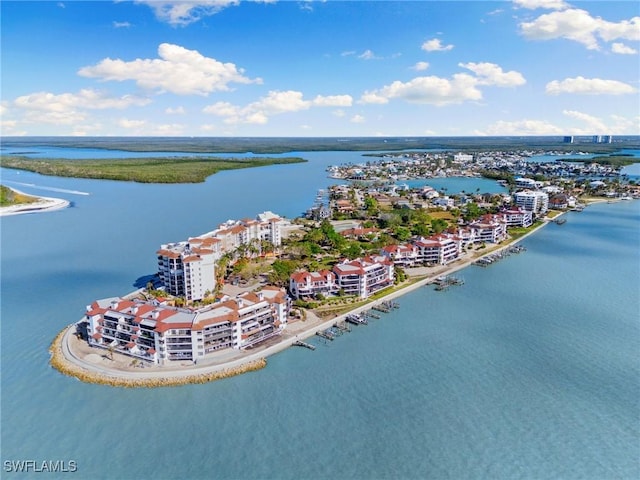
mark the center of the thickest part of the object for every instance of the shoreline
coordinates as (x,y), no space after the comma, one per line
(42,205)
(68,358)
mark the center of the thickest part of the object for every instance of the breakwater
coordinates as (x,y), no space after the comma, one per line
(63,365)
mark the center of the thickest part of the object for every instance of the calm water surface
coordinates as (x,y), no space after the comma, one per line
(529,370)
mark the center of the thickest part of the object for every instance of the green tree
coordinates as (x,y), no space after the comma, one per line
(281,270)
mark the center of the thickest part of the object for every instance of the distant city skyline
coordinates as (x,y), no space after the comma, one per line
(320,68)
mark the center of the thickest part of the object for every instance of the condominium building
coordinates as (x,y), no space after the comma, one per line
(360,277)
(159,333)
(490,229)
(438,249)
(364,276)
(187,268)
(517,217)
(532,201)
(310,284)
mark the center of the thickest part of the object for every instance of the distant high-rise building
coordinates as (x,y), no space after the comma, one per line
(568,139)
(607,139)
(597,139)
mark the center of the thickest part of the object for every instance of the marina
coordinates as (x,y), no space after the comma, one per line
(495,257)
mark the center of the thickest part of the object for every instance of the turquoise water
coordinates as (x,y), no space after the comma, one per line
(529,370)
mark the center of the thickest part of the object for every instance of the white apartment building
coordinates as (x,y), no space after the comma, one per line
(438,249)
(533,201)
(363,277)
(517,217)
(490,229)
(161,334)
(309,284)
(187,268)
(360,277)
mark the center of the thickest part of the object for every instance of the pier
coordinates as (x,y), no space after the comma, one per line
(443,283)
(300,343)
(328,334)
(494,257)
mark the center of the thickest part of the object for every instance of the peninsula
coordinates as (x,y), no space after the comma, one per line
(224,300)
(14,202)
(179,169)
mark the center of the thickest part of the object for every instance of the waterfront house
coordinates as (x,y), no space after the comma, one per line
(364,276)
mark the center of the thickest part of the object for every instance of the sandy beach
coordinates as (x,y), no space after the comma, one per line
(44,204)
(73,356)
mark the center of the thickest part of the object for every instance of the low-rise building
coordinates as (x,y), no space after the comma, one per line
(310,284)
(156,332)
(517,217)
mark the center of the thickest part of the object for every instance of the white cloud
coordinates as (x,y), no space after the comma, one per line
(348,53)
(492,74)
(368,55)
(181,13)
(339,113)
(178,70)
(333,101)
(420,66)
(121,24)
(594,124)
(588,86)
(433,90)
(68,108)
(435,45)
(428,90)
(275,103)
(175,111)
(579,26)
(521,127)
(357,119)
(623,49)
(126,123)
(548,4)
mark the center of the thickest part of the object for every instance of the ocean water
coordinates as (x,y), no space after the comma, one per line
(531,369)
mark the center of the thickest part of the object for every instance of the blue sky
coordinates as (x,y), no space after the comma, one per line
(320,68)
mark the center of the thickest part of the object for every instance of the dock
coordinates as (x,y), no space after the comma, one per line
(357,319)
(443,283)
(328,334)
(300,343)
(494,257)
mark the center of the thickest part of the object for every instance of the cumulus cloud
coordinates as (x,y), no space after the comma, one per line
(594,124)
(275,103)
(68,108)
(121,24)
(434,45)
(181,13)
(588,86)
(623,49)
(127,123)
(521,127)
(175,111)
(357,119)
(492,74)
(439,91)
(579,26)
(420,66)
(547,4)
(178,70)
